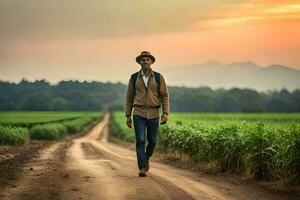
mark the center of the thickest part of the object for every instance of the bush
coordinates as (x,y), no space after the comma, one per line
(265,151)
(76,125)
(51,131)
(119,129)
(10,135)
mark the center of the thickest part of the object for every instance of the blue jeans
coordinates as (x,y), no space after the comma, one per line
(140,125)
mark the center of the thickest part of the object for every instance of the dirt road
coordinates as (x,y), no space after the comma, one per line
(90,167)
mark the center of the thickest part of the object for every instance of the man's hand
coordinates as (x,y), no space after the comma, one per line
(164,118)
(129,122)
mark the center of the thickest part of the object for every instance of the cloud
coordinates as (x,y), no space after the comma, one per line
(69,33)
(44,19)
(68,19)
(257,12)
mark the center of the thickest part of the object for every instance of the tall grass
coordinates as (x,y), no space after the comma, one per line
(265,150)
(11,135)
(119,129)
(53,131)
(31,118)
(77,125)
(18,128)
(265,154)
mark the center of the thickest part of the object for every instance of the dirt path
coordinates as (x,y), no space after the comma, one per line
(90,167)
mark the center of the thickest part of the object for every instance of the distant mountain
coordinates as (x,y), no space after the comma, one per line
(242,75)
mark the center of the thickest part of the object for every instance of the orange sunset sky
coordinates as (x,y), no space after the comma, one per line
(99,40)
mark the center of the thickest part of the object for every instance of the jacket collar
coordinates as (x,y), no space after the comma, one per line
(142,73)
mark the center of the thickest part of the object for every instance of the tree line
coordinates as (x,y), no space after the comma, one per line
(99,96)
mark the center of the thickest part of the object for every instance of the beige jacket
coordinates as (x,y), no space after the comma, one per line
(146,100)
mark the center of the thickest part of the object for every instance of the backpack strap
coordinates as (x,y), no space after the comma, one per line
(133,79)
(157,79)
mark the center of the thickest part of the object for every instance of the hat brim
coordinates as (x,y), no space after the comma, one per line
(141,56)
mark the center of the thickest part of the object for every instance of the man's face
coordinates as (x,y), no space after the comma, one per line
(145,63)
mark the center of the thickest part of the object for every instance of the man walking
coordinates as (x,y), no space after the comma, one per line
(146,91)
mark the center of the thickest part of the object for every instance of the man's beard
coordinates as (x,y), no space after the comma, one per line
(145,67)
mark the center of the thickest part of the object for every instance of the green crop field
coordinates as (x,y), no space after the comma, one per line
(265,146)
(25,118)
(20,127)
